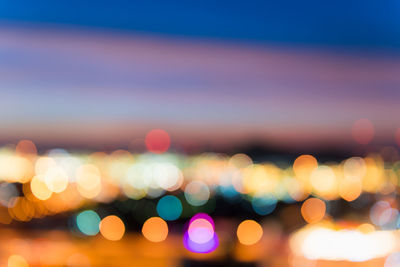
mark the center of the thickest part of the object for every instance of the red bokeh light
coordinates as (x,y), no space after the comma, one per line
(157,141)
(363,131)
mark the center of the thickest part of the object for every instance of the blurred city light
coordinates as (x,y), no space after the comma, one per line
(252,133)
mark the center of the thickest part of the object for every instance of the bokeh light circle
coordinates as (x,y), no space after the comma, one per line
(206,247)
(157,141)
(240,161)
(363,131)
(155,229)
(264,205)
(26,147)
(313,210)
(112,228)
(200,236)
(88,222)
(56,179)
(249,232)
(169,208)
(197,193)
(200,231)
(39,188)
(304,165)
(167,176)
(377,210)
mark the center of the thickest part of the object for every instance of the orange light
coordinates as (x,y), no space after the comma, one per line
(157,141)
(5,217)
(112,228)
(39,188)
(26,147)
(350,188)
(313,210)
(366,228)
(17,261)
(88,180)
(249,232)
(324,182)
(304,165)
(155,229)
(78,260)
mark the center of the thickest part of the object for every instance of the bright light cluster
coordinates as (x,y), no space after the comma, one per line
(57,180)
(325,243)
(36,185)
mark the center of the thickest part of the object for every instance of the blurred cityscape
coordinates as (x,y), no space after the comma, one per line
(199,134)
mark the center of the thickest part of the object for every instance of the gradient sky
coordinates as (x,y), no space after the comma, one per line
(291,74)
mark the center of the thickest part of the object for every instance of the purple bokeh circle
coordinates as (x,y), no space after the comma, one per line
(207,247)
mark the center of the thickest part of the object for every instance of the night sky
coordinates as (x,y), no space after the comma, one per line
(288,73)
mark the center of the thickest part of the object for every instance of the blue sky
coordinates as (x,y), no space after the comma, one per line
(351,23)
(285,72)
